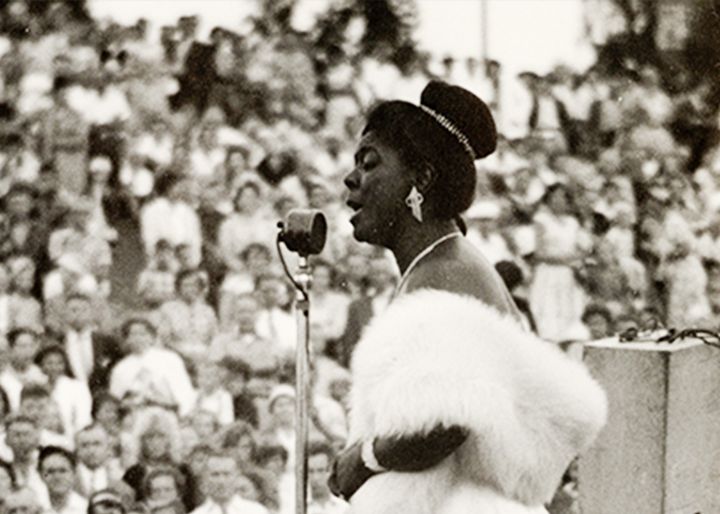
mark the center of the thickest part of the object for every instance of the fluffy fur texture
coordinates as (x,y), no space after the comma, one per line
(437,357)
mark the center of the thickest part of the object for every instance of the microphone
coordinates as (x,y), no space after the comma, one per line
(303,231)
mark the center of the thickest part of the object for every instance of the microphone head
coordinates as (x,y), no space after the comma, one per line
(304,231)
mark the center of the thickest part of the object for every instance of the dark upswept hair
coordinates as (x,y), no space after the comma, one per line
(421,140)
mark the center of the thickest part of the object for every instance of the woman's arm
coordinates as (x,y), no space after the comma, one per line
(410,453)
(418,452)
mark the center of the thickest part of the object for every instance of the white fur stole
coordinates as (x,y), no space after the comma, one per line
(435,357)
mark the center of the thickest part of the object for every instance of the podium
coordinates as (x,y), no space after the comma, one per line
(660,450)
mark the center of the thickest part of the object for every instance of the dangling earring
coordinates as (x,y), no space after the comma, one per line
(414,200)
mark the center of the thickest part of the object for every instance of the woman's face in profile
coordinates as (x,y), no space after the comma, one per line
(377,188)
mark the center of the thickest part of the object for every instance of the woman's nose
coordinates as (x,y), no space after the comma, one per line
(352,179)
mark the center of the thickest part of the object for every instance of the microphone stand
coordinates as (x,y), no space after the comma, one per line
(303,278)
(304,232)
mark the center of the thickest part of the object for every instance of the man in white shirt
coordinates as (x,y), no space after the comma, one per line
(91,354)
(154,374)
(321,501)
(57,469)
(220,487)
(96,469)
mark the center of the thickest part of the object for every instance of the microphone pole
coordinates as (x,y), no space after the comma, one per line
(304,232)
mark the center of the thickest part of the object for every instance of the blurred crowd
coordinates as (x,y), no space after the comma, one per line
(147,328)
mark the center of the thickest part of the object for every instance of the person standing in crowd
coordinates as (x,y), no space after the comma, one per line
(57,469)
(97,469)
(90,353)
(426,435)
(171,216)
(556,297)
(65,140)
(219,482)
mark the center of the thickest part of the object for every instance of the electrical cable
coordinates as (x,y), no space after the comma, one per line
(287,270)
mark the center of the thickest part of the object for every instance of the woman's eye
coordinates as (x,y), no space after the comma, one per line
(369,160)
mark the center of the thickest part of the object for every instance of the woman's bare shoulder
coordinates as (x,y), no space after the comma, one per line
(462,276)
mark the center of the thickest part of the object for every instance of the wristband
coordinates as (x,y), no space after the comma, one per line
(368,457)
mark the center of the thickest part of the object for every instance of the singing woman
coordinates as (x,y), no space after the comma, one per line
(455,408)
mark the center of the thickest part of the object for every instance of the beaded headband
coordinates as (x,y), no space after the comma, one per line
(450,127)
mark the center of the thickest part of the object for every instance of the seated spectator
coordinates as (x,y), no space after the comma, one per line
(72,396)
(212,396)
(20,370)
(97,469)
(157,444)
(57,469)
(598,321)
(219,482)
(154,374)
(26,311)
(188,323)
(242,341)
(321,501)
(156,283)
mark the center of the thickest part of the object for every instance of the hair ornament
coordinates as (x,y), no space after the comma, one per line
(450,127)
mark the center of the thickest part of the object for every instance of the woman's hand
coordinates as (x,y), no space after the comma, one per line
(349,472)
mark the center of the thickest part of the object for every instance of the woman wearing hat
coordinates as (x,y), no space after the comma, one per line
(454,408)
